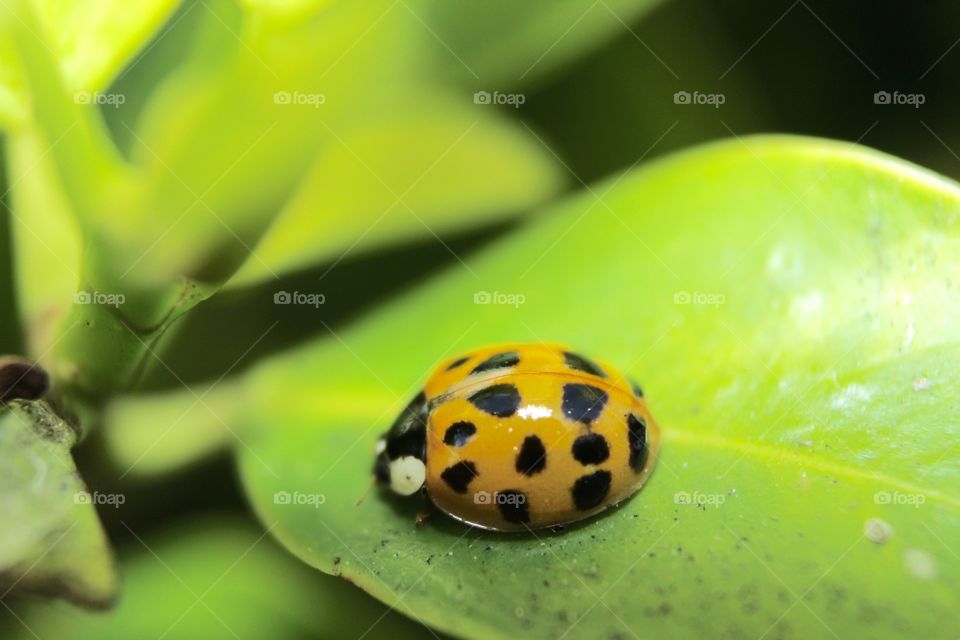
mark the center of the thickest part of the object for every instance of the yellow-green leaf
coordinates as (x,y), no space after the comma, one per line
(787,305)
(426,168)
(147,434)
(92,42)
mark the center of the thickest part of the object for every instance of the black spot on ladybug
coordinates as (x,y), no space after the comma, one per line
(457,363)
(579,363)
(591,448)
(459,475)
(583,402)
(513,506)
(408,435)
(499,361)
(459,433)
(637,390)
(637,437)
(501,400)
(590,490)
(532,457)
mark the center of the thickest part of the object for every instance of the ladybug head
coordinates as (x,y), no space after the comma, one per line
(402,451)
(405,474)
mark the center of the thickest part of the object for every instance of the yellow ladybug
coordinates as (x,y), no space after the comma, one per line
(521,436)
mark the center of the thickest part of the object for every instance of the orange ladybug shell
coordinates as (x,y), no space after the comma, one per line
(525,436)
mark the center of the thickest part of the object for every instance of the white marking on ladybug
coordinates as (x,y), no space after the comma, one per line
(407,475)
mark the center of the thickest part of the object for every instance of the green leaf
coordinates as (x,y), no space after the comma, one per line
(488,45)
(90,41)
(287,8)
(148,434)
(787,305)
(51,542)
(47,241)
(217,152)
(218,578)
(462,166)
(500,44)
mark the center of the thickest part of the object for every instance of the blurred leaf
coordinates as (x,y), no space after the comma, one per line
(498,44)
(461,166)
(796,341)
(287,8)
(84,173)
(156,433)
(91,42)
(46,238)
(494,45)
(219,149)
(219,578)
(51,541)
(226,139)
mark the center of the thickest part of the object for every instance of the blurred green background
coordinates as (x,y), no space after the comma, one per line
(598,82)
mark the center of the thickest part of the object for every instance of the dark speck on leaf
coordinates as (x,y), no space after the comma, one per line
(663,610)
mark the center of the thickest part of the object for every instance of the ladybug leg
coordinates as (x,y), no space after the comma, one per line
(425,511)
(422,515)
